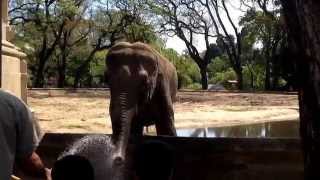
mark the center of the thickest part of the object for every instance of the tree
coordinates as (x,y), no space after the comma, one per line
(187,20)
(67,28)
(75,32)
(187,70)
(47,20)
(273,36)
(114,21)
(303,25)
(190,19)
(268,31)
(264,22)
(232,44)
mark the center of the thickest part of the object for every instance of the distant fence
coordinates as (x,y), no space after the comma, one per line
(180,90)
(56,92)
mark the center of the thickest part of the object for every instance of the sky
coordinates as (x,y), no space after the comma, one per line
(178,45)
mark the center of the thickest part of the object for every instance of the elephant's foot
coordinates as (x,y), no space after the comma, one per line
(166,127)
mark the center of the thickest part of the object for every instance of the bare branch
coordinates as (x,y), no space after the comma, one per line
(20,7)
(229,18)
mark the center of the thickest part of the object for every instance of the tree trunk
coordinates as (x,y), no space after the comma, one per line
(309,99)
(39,76)
(43,58)
(204,78)
(275,61)
(61,79)
(251,78)
(76,81)
(267,78)
(239,79)
(275,74)
(62,66)
(302,19)
(82,68)
(62,74)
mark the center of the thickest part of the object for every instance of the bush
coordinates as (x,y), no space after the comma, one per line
(194,86)
(219,64)
(223,78)
(258,77)
(184,80)
(188,71)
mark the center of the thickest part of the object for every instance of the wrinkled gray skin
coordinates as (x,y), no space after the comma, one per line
(97,149)
(143,85)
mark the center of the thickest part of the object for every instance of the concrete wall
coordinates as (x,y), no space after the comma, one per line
(209,158)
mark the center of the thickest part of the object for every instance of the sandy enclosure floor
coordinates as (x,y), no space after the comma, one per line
(87,111)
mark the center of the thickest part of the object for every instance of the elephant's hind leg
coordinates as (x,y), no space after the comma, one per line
(165,125)
(165,121)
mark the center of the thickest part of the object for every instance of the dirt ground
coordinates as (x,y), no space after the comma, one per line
(86,111)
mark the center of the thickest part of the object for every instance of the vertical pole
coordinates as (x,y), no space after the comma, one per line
(1,44)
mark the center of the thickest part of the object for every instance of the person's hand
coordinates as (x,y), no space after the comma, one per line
(48,173)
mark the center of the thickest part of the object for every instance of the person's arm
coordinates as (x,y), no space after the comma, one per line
(26,157)
(33,166)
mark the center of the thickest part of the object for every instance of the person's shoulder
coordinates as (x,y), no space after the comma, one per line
(11,100)
(6,95)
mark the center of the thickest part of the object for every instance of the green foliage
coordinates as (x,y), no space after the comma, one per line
(223,78)
(282,82)
(218,65)
(68,8)
(140,32)
(97,68)
(77,56)
(254,77)
(188,72)
(263,43)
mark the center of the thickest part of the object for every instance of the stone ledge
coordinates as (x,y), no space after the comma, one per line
(9,49)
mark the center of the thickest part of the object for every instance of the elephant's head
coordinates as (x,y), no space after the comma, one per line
(132,75)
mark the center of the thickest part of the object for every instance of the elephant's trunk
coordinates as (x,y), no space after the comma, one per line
(122,114)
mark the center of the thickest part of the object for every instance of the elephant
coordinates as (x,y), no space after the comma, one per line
(143,86)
